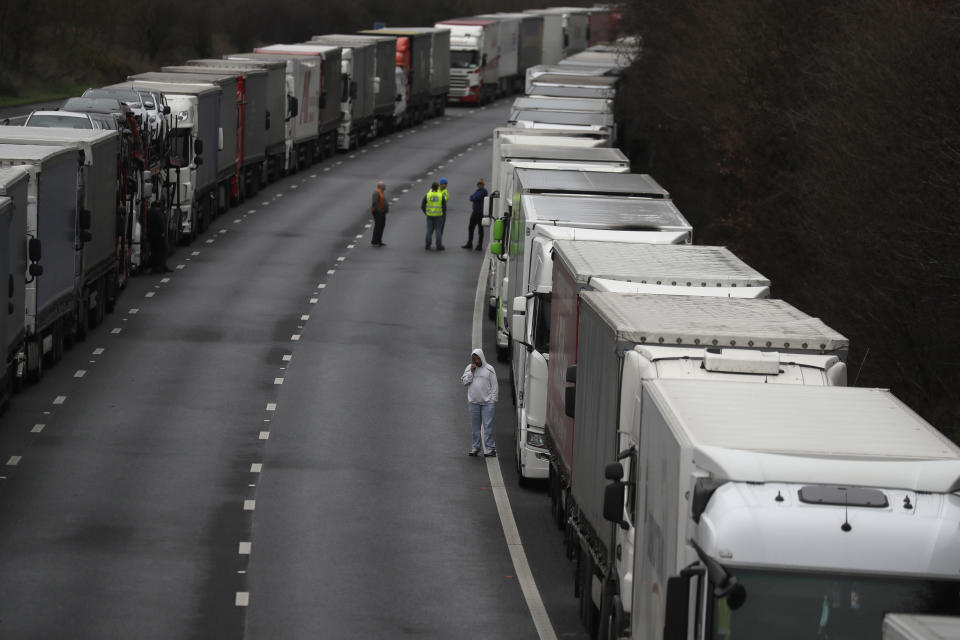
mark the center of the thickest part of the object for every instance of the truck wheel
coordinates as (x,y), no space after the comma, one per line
(100,309)
(110,292)
(492,313)
(83,317)
(503,354)
(605,624)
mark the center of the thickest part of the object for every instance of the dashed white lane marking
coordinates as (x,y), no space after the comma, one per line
(293,186)
(264,435)
(404,190)
(133,311)
(339,162)
(363,150)
(279,195)
(80,373)
(195,253)
(351,246)
(181,266)
(116,330)
(376,146)
(98,351)
(252,211)
(271,406)
(341,258)
(326,168)
(244,549)
(249,505)
(278,381)
(210,241)
(313,175)
(288,357)
(164,279)
(352,156)
(243,598)
(223,230)
(367,226)
(59,399)
(295,337)
(521,567)
(237,221)
(395,199)
(321,286)
(256,467)
(37,428)
(330,272)
(264,204)
(149,294)
(359,235)
(419,179)
(314,300)
(305,317)
(440,166)
(14,461)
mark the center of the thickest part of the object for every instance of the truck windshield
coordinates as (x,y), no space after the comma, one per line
(799,606)
(180,147)
(463,59)
(541,323)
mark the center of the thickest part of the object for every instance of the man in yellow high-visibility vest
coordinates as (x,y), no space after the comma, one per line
(434,205)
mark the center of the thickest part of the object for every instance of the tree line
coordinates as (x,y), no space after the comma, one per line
(820,141)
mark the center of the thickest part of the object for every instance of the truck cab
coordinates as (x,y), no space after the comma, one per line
(474,59)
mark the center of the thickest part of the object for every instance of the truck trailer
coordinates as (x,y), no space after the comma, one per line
(326,71)
(778,511)
(385,90)
(573,22)
(438,68)
(97,202)
(763,342)
(275,106)
(904,626)
(529,44)
(54,241)
(474,59)
(615,207)
(414,58)
(564,85)
(358,86)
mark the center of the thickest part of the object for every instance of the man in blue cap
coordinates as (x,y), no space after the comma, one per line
(446,196)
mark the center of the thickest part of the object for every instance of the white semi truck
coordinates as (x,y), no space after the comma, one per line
(776,511)
(614,204)
(564,266)
(474,59)
(637,338)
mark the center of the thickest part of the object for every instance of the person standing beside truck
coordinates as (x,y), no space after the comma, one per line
(434,206)
(379,209)
(476,217)
(480,379)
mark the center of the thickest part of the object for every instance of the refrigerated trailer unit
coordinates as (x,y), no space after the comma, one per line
(54,227)
(565,70)
(764,343)
(358,123)
(550,103)
(327,65)
(304,76)
(563,85)
(197,190)
(14,186)
(275,105)
(780,511)
(97,197)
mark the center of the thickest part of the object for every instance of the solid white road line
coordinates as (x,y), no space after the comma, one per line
(510,532)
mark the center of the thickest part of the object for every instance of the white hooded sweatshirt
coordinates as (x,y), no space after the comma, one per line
(481,384)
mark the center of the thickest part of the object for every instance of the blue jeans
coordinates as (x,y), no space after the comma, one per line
(482,413)
(434,224)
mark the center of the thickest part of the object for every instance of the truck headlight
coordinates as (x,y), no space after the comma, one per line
(536,439)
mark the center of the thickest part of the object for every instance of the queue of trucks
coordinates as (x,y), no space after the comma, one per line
(199,138)
(710,471)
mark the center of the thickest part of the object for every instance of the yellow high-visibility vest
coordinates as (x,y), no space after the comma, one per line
(434,203)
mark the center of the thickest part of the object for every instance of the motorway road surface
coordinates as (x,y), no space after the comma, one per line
(271,441)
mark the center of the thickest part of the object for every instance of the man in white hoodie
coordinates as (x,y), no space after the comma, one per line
(482,390)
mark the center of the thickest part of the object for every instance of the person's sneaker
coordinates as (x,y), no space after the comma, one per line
(427,247)
(479,248)
(441,248)
(490,454)
(466,246)
(473,452)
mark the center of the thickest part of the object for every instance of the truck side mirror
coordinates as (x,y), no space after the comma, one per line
(198,161)
(353,90)
(268,121)
(677,608)
(613,495)
(34,250)
(35,269)
(197,147)
(166,110)
(293,106)
(496,248)
(84,218)
(498,230)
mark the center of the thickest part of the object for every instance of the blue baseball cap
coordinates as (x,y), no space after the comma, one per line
(443,181)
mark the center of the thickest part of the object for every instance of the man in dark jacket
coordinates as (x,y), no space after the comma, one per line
(476,217)
(157,237)
(379,209)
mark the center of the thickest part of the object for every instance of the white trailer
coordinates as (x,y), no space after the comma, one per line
(573,37)
(97,201)
(563,85)
(509,72)
(54,251)
(778,511)
(603,124)
(552,103)
(614,207)
(903,626)
(563,69)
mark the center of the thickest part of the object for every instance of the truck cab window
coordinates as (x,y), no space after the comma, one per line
(541,322)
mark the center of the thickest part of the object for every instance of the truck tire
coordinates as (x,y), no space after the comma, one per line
(503,353)
(492,312)
(588,612)
(34,366)
(83,316)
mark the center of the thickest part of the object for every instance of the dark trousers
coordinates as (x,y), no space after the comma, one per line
(379,222)
(475,221)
